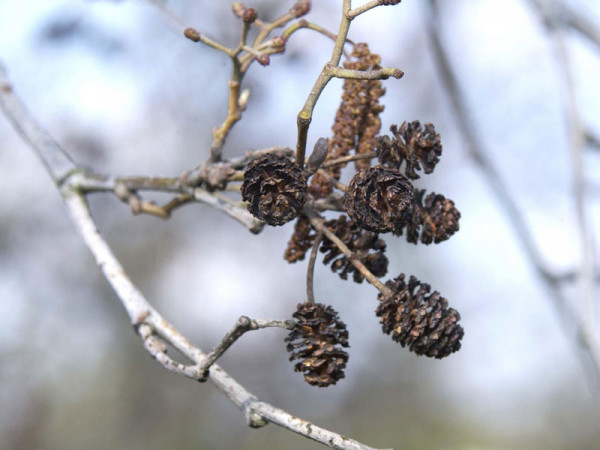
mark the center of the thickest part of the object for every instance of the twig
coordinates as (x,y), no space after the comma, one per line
(230,208)
(310,271)
(56,160)
(330,70)
(330,178)
(146,320)
(347,159)
(368,6)
(319,224)
(242,326)
(581,23)
(577,143)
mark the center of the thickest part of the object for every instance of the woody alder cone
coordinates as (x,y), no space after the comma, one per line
(380,199)
(420,320)
(316,341)
(418,147)
(435,219)
(274,188)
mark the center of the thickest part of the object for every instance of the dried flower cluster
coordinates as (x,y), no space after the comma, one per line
(378,199)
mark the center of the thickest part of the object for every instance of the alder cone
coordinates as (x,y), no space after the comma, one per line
(419,320)
(416,146)
(435,219)
(275,189)
(440,219)
(380,199)
(316,341)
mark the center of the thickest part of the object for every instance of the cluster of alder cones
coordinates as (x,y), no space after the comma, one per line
(378,199)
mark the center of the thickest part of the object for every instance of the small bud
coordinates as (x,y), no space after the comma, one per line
(243,100)
(192,34)
(238,8)
(317,156)
(278,41)
(300,8)
(249,15)
(263,59)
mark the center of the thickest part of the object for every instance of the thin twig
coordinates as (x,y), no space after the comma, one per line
(56,160)
(242,326)
(347,159)
(310,271)
(329,71)
(331,179)
(577,143)
(368,6)
(319,224)
(230,208)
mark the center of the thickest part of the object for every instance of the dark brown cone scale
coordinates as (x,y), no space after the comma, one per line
(316,342)
(380,199)
(416,146)
(435,219)
(419,320)
(440,219)
(274,188)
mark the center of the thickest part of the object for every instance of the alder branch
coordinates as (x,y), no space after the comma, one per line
(576,143)
(330,70)
(125,187)
(242,326)
(370,5)
(319,224)
(147,322)
(476,150)
(58,163)
(310,271)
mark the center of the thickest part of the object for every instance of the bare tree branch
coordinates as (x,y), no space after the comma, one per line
(146,320)
(577,144)
(476,150)
(58,163)
(242,326)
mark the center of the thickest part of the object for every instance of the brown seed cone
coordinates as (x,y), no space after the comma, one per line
(301,240)
(435,219)
(316,341)
(440,219)
(366,246)
(419,147)
(419,320)
(275,188)
(380,199)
